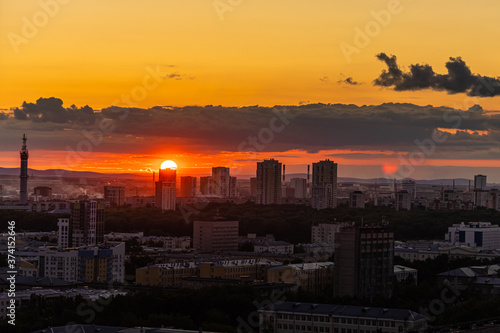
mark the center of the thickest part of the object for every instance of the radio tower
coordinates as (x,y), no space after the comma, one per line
(23,191)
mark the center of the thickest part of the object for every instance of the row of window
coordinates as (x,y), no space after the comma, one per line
(326,329)
(321,319)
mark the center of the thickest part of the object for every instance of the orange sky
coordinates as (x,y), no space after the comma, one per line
(282,52)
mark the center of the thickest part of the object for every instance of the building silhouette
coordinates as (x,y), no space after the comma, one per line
(364,262)
(115,195)
(268,182)
(23,189)
(324,184)
(188,187)
(165,189)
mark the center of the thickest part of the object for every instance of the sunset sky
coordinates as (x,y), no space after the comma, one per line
(192,80)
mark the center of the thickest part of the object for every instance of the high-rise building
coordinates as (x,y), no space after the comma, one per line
(188,187)
(165,189)
(300,187)
(268,182)
(357,199)
(23,189)
(220,182)
(480,191)
(324,184)
(86,225)
(115,195)
(410,186)
(205,183)
(253,186)
(364,265)
(217,235)
(403,200)
(479,182)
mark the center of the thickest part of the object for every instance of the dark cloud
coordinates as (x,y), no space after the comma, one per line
(348,80)
(459,79)
(178,76)
(211,129)
(51,110)
(3,115)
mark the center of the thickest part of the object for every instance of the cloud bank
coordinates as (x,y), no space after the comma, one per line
(210,129)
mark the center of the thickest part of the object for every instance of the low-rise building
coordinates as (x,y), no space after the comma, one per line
(402,273)
(285,317)
(166,275)
(279,247)
(312,277)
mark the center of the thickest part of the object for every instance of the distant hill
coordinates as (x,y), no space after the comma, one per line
(88,174)
(67,173)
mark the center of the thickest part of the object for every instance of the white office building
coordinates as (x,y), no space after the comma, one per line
(475,234)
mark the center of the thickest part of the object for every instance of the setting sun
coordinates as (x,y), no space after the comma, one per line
(168,165)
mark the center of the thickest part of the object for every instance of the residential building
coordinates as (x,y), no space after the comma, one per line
(115,195)
(166,275)
(104,263)
(86,224)
(357,199)
(188,187)
(480,191)
(268,182)
(364,265)
(165,189)
(311,277)
(324,184)
(278,247)
(217,235)
(286,317)
(299,185)
(249,269)
(403,200)
(325,232)
(402,273)
(475,234)
(410,186)
(137,201)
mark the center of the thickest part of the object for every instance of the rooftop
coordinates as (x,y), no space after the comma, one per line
(345,311)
